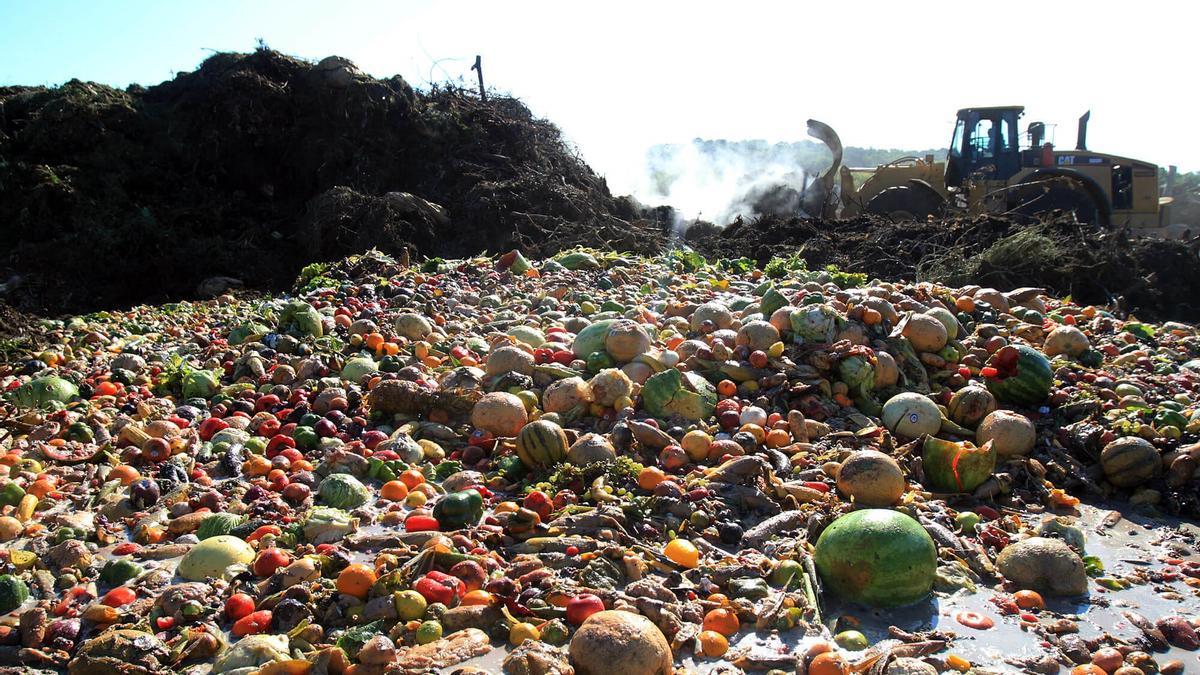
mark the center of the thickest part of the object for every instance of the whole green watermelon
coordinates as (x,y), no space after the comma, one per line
(877,557)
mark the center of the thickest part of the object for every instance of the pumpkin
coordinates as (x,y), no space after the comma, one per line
(1066,340)
(610,385)
(1011,434)
(970,405)
(1022,375)
(541,444)
(499,413)
(926,333)
(589,449)
(911,415)
(1130,461)
(626,340)
(871,478)
(565,394)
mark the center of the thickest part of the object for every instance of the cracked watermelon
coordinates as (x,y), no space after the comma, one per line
(1019,375)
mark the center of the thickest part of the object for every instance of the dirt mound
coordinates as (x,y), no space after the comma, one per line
(256,164)
(1153,278)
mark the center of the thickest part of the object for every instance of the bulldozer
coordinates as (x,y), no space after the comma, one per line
(988,169)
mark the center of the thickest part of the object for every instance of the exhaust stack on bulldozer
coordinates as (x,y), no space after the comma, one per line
(988,170)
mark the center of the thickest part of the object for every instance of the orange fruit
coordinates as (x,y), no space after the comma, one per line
(412,478)
(394,490)
(682,552)
(777,438)
(1088,669)
(1029,600)
(650,477)
(356,580)
(828,663)
(124,473)
(723,621)
(713,644)
(477,597)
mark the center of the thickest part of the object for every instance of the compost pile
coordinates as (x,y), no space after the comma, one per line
(1150,277)
(593,463)
(256,164)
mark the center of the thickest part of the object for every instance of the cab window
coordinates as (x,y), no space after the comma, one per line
(982,139)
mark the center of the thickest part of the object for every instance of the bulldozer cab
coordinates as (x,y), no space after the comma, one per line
(985,145)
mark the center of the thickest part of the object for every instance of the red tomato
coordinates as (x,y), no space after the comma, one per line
(270,560)
(165,622)
(119,596)
(580,607)
(564,357)
(255,622)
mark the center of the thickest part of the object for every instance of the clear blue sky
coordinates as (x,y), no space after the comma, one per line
(619,76)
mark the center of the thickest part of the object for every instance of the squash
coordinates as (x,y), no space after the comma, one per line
(610,385)
(210,557)
(541,444)
(911,415)
(758,335)
(615,641)
(509,359)
(871,478)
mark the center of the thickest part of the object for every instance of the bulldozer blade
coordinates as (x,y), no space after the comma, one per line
(818,196)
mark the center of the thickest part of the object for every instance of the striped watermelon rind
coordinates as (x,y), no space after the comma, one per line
(1023,379)
(542,444)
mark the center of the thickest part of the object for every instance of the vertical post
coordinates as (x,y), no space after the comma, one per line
(478,68)
(1171,171)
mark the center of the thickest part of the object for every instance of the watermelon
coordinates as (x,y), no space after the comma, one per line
(541,444)
(1130,461)
(672,392)
(877,557)
(956,467)
(1022,376)
(591,338)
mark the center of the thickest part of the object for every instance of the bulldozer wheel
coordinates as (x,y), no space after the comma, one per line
(1038,201)
(902,203)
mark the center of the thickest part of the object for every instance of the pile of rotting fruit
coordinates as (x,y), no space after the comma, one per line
(600,464)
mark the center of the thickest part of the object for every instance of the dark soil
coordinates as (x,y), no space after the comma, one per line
(1152,278)
(256,164)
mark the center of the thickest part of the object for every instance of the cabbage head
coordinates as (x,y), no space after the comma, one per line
(252,652)
(859,375)
(201,384)
(357,367)
(302,318)
(218,524)
(324,525)
(43,392)
(343,491)
(815,323)
(247,332)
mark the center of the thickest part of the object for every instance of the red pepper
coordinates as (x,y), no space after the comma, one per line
(127,548)
(264,531)
(440,587)
(278,443)
(421,524)
(816,485)
(210,427)
(539,502)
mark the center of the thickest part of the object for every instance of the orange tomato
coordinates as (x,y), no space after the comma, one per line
(1088,669)
(373,341)
(965,304)
(722,620)
(256,465)
(872,317)
(41,487)
(713,644)
(828,663)
(477,597)
(727,388)
(650,477)
(1029,600)
(394,490)
(412,478)
(356,580)
(124,473)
